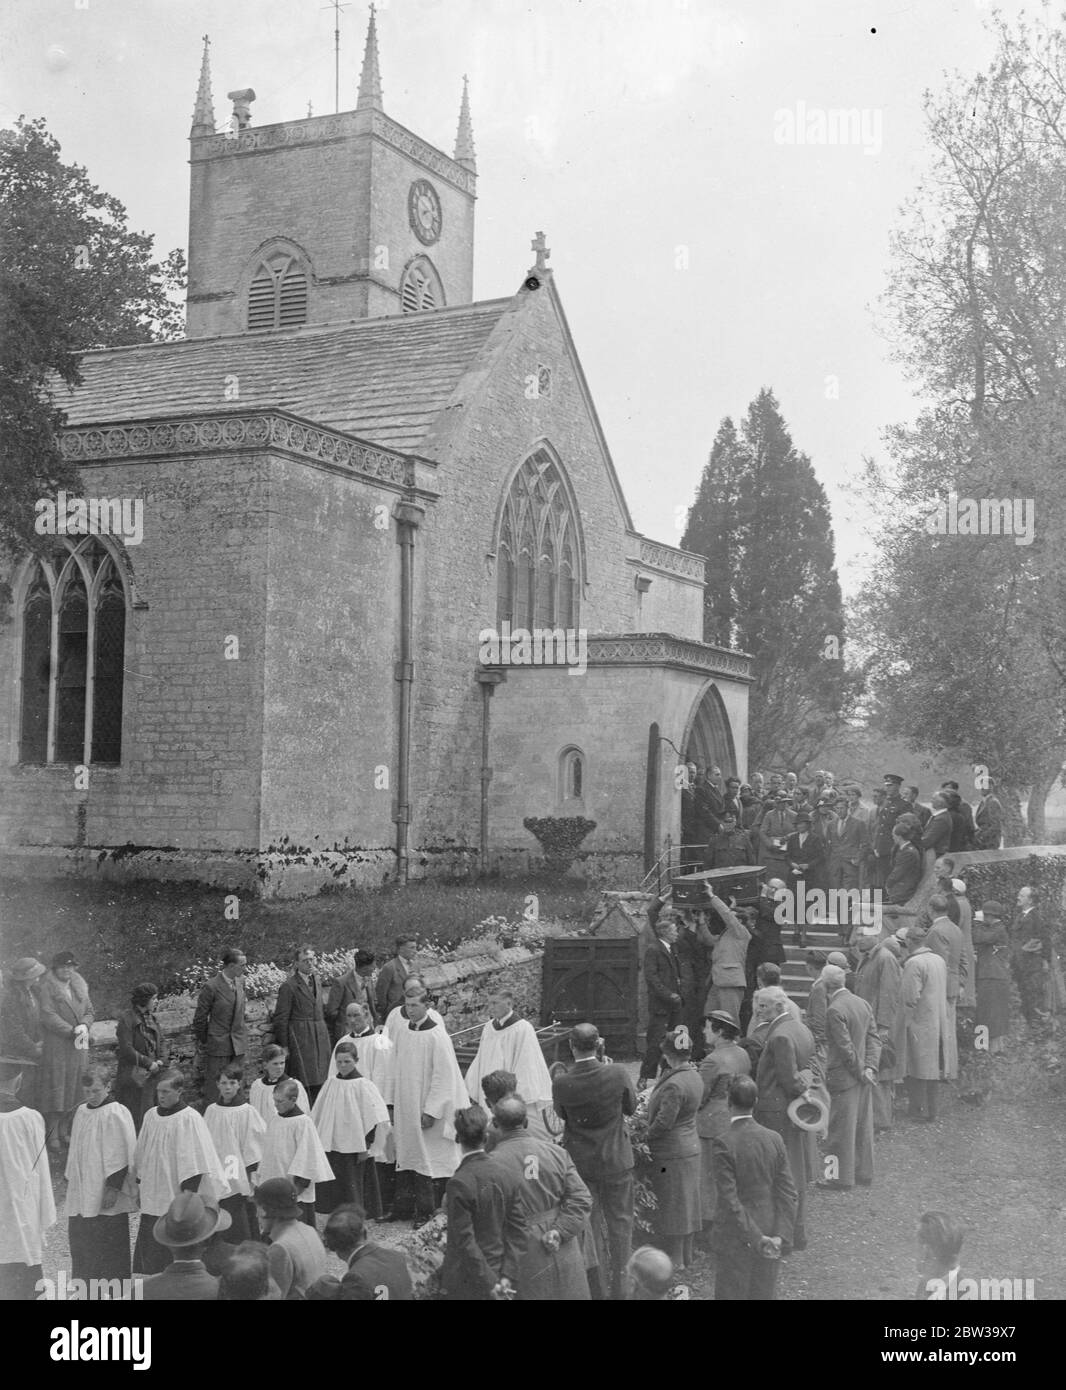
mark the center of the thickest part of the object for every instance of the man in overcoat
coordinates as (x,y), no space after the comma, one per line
(299,1023)
(922,1027)
(851,1076)
(878,979)
(485,1235)
(218,1024)
(662,975)
(757,1202)
(785,1072)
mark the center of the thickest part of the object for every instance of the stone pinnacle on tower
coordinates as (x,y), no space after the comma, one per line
(203,117)
(464,136)
(370,78)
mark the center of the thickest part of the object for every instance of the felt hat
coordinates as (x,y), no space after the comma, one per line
(839,959)
(189,1220)
(722,1016)
(994,909)
(278,1197)
(62,958)
(27,968)
(809,1113)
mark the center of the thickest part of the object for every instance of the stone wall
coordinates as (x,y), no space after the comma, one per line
(461,988)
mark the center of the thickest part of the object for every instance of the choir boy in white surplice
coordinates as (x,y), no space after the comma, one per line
(237,1129)
(509,1043)
(413,988)
(373,1049)
(174,1154)
(425,1089)
(27,1207)
(292,1149)
(275,1060)
(346,1113)
(100,1191)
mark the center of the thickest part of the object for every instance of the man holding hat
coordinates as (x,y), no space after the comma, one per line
(786,1070)
(27,1207)
(20,1020)
(774,830)
(851,1075)
(186,1229)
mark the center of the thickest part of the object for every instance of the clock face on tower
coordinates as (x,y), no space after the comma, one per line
(423,210)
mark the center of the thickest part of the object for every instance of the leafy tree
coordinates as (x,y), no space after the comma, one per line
(73,276)
(967,632)
(761,520)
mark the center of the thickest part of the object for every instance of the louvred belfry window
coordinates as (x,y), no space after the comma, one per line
(536,575)
(277,297)
(421,288)
(73,657)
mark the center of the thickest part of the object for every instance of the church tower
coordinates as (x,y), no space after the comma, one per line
(324,219)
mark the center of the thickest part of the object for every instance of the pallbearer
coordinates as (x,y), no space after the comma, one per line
(100,1191)
(237,1129)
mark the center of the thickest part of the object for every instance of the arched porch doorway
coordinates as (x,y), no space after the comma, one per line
(708,738)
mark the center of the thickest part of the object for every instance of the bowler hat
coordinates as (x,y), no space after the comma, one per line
(27,968)
(278,1197)
(62,958)
(189,1220)
(809,1112)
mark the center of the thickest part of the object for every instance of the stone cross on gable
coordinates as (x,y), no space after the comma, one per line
(543,251)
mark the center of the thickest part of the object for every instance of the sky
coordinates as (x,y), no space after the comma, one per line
(702,251)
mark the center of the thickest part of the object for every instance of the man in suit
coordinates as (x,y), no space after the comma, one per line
(187,1226)
(1030,941)
(878,980)
(938,828)
(963,809)
(592,1100)
(905,872)
(786,1071)
(218,1024)
(854,1052)
(805,853)
(662,975)
(910,796)
(353,987)
(849,843)
(375,1274)
(393,973)
(485,1235)
(774,830)
(988,820)
(892,807)
(757,1201)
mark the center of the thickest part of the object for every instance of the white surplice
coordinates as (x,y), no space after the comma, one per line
(102,1142)
(237,1133)
(346,1108)
(292,1149)
(171,1149)
(261,1096)
(426,1080)
(27,1207)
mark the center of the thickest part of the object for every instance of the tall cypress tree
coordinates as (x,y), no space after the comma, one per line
(761,520)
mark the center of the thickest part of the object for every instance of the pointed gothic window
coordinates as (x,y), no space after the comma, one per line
(536,574)
(421,287)
(277,296)
(71,706)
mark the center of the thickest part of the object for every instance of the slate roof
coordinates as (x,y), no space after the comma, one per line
(384,380)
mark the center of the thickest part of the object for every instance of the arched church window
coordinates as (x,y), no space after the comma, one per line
(571,775)
(421,287)
(538,511)
(73,648)
(277,296)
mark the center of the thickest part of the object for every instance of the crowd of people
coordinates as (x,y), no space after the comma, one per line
(362,1114)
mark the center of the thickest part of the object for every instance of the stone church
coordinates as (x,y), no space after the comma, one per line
(389,600)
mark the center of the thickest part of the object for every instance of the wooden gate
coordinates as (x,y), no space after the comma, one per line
(587,980)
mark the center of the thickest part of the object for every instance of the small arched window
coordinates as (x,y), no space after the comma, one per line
(73,657)
(571,775)
(277,296)
(536,576)
(421,287)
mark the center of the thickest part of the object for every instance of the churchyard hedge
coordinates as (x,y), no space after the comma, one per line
(560,838)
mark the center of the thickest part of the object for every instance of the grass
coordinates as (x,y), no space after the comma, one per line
(125,933)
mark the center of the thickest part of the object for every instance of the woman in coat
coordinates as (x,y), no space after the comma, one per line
(675,1148)
(143,1053)
(66,1012)
(992,949)
(20,1023)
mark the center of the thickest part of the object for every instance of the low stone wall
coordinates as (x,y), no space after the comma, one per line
(461,988)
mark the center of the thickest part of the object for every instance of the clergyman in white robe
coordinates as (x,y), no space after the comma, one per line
(425,1080)
(510,1044)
